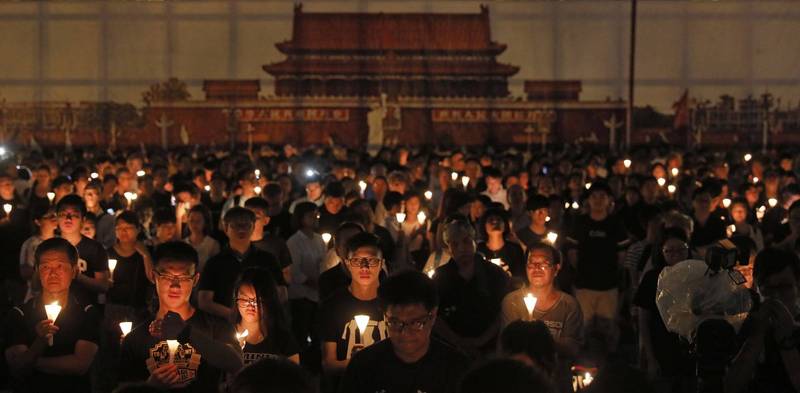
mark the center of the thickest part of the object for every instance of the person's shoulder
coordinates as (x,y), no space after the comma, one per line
(513,246)
(376,355)
(205,320)
(447,354)
(568,300)
(90,244)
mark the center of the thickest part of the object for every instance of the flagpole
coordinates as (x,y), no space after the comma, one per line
(631,63)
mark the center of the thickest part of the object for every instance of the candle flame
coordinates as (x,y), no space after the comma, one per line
(112,264)
(362,321)
(125,327)
(7,207)
(428,195)
(530,303)
(326,237)
(421,217)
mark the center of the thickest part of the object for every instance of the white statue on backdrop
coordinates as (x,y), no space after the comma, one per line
(375,122)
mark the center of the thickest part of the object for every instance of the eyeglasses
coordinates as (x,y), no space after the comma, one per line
(415,326)
(69,216)
(539,265)
(244,302)
(185,279)
(364,262)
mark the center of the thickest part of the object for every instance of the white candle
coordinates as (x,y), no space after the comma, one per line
(207,188)
(241,336)
(748,157)
(362,321)
(421,217)
(530,304)
(755,179)
(772,202)
(257,189)
(496,261)
(51,195)
(362,185)
(731,230)
(257,172)
(671,188)
(552,237)
(94,175)
(125,327)
(465,181)
(588,185)
(7,208)
(326,237)
(726,202)
(627,163)
(428,195)
(675,172)
(52,310)
(112,264)
(400,217)
(454,176)
(760,212)
(140,173)
(173,347)
(431,273)
(575,205)
(547,219)
(661,181)
(587,379)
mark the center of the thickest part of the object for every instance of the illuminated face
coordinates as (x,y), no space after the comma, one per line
(247,303)
(313,191)
(541,269)
(174,282)
(412,206)
(494,224)
(166,231)
(126,232)
(88,229)
(461,246)
(539,216)
(493,184)
(738,213)
(6,188)
(334,204)
(365,265)
(409,327)
(91,197)
(70,220)
(675,250)
(239,230)
(55,271)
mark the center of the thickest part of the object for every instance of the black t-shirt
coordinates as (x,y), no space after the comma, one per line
(328,222)
(378,369)
(770,374)
(470,307)
(598,243)
(671,353)
(713,230)
(280,225)
(275,345)
(131,286)
(385,242)
(529,237)
(13,233)
(332,280)
(338,324)
(92,258)
(141,353)
(277,247)
(511,255)
(222,270)
(75,322)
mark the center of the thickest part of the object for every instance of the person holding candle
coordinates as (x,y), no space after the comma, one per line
(411,246)
(200,226)
(333,211)
(182,348)
(338,276)
(538,207)
(64,365)
(104,226)
(130,282)
(260,314)
(340,334)
(93,259)
(410,360)
(497,246)
(46,225)
(558,310)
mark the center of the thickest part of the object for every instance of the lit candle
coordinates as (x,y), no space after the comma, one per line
(125,327)
(748,157)
(7,208)
(428,195)
(575,205)
(465,181)
(661,181)
(128,197)
(362,321)
(496,261)
(726,202)
(362,185)
(207,188)
(112,264)
(760,212)
(731,230)
(51,195)
(94,175)
(772,202)
(530,304)
(257,173)
(588,185)
(52,310)
(675,172)
(587,379)
(566,205)
(431,273)
(140,173)
(173,201)
(552,237)
(755,179)
(173,347)
(421,217)
(257,189)
(627,163)
(547,219)
(326,237)
(240,337)
(400,217)
(454,176)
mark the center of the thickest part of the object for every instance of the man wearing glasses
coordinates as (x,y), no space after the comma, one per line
(340,333)
(409,361)
(182,348)
(559,311)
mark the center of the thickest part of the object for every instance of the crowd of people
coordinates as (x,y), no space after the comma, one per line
(415,270)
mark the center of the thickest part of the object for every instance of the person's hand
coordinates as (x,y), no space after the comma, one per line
(166,377)
(46,329)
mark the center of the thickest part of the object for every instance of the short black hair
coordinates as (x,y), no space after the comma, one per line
(408,287)
(536,202)
(164,216)
(335,190)
(56,244)
(73,201)
(60,181)
(129,217)
(257,203)
(237,213)
(532,339)
(363,239)
(281,375)
(300,211)
(771,261)
(392,199)
(175,251)
(505,376)
(544,246)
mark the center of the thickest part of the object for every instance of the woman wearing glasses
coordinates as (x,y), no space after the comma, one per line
(260,315)
(343,334)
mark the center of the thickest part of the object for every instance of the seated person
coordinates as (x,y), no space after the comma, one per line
(182,348)
(409,361)
(52,355)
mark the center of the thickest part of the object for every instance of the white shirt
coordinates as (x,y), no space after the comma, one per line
(307,256)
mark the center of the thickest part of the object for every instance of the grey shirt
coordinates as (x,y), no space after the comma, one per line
(564,319)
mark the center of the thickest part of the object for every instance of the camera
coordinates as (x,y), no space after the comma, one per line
(720,257)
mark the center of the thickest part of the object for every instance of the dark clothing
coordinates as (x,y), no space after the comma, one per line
(222,270)
(75,322)
(275,345)
(672,354)
(386,243)
(328,222)
(711,231)
(143,353)
(92,258)
(14,230)
(529,237)
(378,369)
(471,307)
(510,254)
(131,286)
(332,280)
(338,324)
(277,247)
(598,243)
(280,225)
(770,373)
